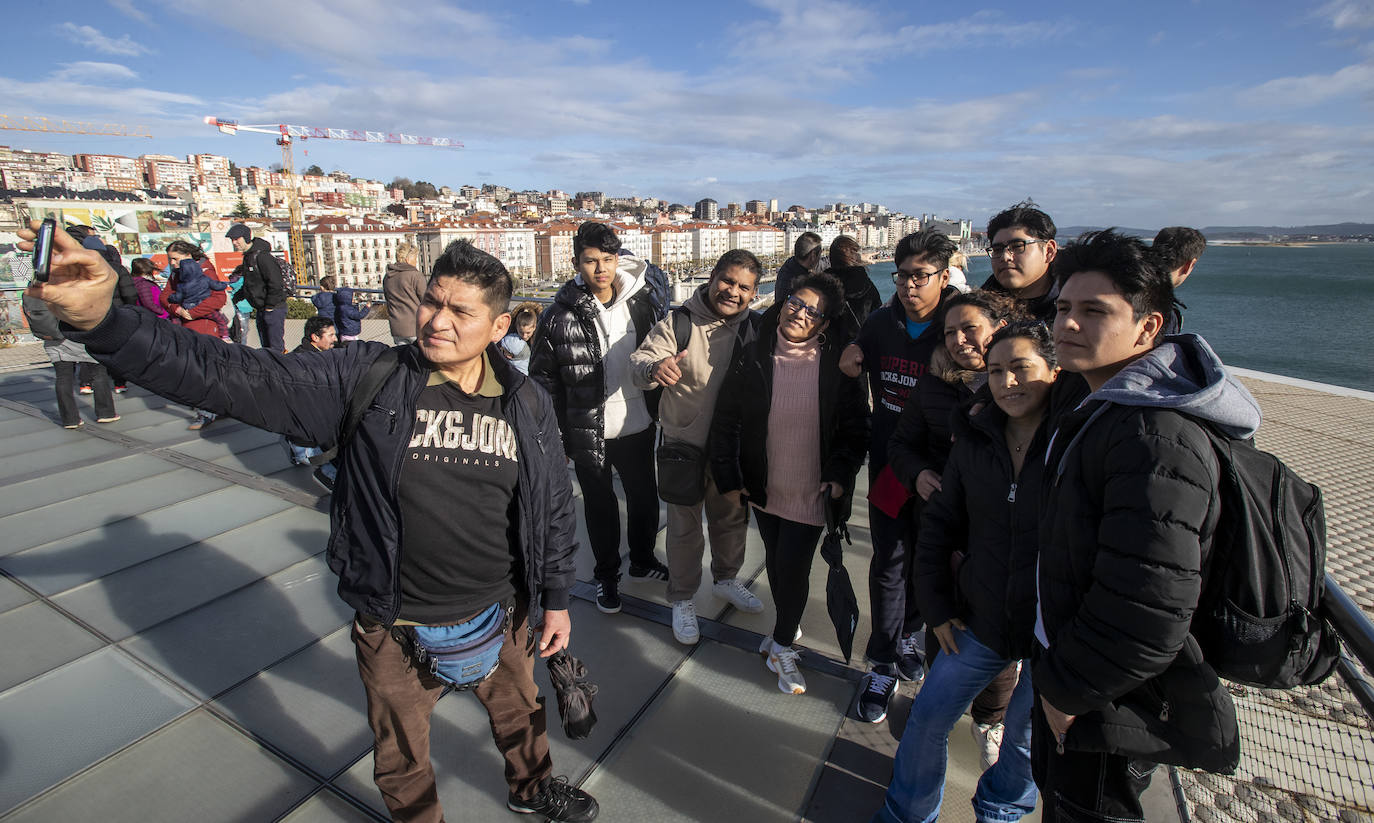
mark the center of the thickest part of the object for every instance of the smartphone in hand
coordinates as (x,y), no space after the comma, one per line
(42,249)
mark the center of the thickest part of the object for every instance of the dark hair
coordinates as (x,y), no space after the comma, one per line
(595,236)
(1033,330)
(316,324)
(807,243)
(328,283)
(141,266)
(187,248)
(994,306)
(1174,246)
(468,264)
(934,246)
(844,252)
(524,318)
(827,286)
(1028,216)
(1126,261)
(741,258)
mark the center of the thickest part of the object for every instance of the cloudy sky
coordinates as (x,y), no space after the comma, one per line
(1205,113)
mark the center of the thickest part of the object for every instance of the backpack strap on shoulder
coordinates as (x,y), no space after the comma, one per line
(363,395)
(682,327)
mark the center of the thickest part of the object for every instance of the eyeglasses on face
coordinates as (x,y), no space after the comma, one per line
(918,278)
(1015,247)
(794,304)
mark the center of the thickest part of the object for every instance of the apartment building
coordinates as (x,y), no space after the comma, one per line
(672,246)
(708,242)
(355,250)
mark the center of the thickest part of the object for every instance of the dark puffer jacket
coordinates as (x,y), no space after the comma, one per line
(347,317)
(991,517)
(263,286)
(739,429)
(567,358)
(861,298)
(1130,507)
(305,397)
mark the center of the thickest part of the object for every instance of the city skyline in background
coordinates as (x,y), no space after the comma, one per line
(1201,113)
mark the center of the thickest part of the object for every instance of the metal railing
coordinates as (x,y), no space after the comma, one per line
(1307,754)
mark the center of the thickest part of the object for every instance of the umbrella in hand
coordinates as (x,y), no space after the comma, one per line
(840,602)
(569,677)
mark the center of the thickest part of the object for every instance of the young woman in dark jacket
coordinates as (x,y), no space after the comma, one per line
(975,581)
(921,444)
(788,438)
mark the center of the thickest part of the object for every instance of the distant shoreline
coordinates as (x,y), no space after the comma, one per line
(1294,244)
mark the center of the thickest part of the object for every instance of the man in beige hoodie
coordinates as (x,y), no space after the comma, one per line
(720,322)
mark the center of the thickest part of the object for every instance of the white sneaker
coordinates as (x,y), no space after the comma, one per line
(988,739)
(738,596)
(685,622)
(782,661)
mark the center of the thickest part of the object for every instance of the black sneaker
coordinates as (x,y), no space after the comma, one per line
(911,665)
(558,800)
(878,687)
(654,571)
(607,597)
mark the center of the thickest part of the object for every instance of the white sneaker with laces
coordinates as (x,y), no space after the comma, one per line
(685,627)
(782,661)
(737,595)
(988,739)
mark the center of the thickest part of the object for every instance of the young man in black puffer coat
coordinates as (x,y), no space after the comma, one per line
(582,358)
(1130,505)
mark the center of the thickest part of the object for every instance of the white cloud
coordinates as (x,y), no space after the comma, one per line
(87,70)
(95,39)
(1349,14)
(833,41)
(1311,89)
(127,7)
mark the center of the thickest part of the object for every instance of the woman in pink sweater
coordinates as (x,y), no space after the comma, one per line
(787,439)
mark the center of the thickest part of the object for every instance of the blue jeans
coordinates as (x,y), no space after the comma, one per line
(1006,791)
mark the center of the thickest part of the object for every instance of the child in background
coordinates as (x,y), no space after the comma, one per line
(515,345)
(324,298)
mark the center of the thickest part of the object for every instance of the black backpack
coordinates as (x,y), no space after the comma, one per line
(1260,620)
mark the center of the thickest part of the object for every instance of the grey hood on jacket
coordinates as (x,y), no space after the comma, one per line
(1184,374)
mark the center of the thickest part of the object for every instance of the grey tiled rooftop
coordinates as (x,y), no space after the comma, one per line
(174,649)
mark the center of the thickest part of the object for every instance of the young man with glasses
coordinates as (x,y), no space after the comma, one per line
(895,345)
(1022,248)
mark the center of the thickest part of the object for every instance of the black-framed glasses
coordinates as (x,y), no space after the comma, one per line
(1015,247)
(919,278)
(795,304)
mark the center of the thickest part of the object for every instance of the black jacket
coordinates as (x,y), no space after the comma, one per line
(1129,509)
(739,430)
(566,360)
(894,361)
(788,272)
(861,299)
(921,440)
(262,277)
(1042,308)
(987,520)
(305,397)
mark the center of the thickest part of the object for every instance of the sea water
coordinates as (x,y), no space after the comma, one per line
(1299,311)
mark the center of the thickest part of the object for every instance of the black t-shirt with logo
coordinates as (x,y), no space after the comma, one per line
(457,492)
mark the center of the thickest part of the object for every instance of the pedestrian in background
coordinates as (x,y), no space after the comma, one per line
(65,356)
(404,287)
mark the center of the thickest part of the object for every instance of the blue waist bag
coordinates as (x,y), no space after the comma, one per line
(465,654)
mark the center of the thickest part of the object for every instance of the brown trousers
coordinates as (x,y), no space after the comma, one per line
(400,700)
